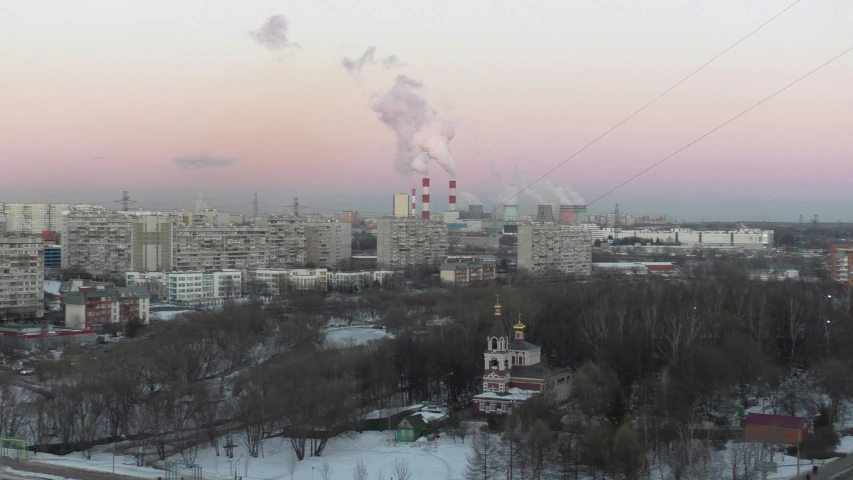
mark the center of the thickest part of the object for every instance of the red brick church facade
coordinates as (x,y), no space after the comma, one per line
(514,371)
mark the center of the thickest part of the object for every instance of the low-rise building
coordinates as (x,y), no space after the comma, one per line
(21,277)
(93,305)
(463,274)
(358,281)
(43,337)
(276,282)
(195,289)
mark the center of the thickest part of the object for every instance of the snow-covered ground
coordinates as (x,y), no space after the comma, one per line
(353,335)
(438,460)
(168,314)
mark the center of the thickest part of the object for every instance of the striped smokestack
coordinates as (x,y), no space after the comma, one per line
(414,201)
(425,200)
(452,196)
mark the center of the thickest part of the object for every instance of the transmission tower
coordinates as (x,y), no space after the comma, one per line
(125,200)
(815,219)
(296,206)
(256,206)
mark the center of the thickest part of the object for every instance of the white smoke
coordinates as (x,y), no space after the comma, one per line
(543,192)
(561,195)
(354,65)
(421,135)
(273,34)
(465,199)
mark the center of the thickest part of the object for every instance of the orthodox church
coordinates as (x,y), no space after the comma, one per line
(514,371)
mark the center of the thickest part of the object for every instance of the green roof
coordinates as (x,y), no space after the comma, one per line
(74,298)
(498,329)
(138,292)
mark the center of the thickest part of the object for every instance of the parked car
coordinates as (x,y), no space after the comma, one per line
(27,371)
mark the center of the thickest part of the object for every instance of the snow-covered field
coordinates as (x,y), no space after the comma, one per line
(437,460)
(168,314)
(353,335)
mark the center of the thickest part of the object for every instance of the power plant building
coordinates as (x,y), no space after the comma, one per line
(554,249)
(410,242)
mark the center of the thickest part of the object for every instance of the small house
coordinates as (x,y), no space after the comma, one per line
(412,428)
(765,428)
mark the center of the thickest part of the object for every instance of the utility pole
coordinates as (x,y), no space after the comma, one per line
(296,206)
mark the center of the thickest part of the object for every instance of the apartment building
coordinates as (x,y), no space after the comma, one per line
(358,281)
(841,264)
(407,242)
(196,288)
(555,249)
(219,248)
(92,305)
(98,243)
(327,243)
(277,282)
(464,274)
(40,217)
(287,242)
(21,277)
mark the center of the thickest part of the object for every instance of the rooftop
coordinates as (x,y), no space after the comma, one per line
(775,421)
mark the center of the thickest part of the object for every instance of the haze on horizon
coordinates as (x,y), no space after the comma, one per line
(288,100)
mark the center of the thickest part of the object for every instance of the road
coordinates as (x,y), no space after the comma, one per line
(69,473)
(837,470)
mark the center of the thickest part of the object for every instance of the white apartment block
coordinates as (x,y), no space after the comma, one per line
(277,282)
(39,217)
(327,243)
(408,242)
(219,248)
(190,288)
(357,281)
(554,248)
(21,277)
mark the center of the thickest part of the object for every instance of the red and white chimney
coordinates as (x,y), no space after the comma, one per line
(452,196)
(414,201)
(425,200)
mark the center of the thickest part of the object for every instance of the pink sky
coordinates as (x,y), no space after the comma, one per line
(137,84)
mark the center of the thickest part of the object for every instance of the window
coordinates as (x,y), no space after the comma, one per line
(494,344)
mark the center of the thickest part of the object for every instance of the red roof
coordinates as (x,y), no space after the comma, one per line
(775,421)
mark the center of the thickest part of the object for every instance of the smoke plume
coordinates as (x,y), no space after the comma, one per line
(421,135)
(204,160)
(465,199)
(355,65)
(273,34)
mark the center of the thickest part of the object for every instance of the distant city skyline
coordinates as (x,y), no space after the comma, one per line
(229,99)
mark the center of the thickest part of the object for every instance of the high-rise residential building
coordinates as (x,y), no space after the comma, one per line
(554,248)
(41,217)
(286,242)
(21,277)
(218,248)
(152,243)
(327,243)
(401,205)
(841,264)
(408,242)
(349,217)
(98,243)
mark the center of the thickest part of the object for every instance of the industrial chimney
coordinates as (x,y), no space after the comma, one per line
(425,200)
(414,201)
(452,196)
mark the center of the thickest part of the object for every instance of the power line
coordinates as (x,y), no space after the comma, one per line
(629,117)
(718,127)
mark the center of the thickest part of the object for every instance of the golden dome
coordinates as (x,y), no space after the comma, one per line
(518,325)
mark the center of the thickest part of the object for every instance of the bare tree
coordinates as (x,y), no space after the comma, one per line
(360,471)
(290,461)
(326,470)
(401,468)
